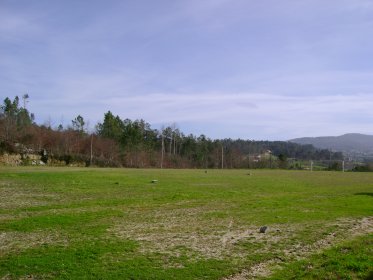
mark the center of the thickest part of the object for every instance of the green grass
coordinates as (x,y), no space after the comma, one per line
(71,223)
(349,260)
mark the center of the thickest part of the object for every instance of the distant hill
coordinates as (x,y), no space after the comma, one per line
(352,144)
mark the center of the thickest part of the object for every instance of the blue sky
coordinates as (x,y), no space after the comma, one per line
(250,69)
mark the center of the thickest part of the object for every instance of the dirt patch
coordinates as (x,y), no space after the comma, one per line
(16,241)
(172,231)
(6,217)
(188,231)
(348,228)
(273,235)
(16,197)
(29,277)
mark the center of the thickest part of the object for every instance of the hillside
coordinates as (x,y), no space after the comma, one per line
(132,143)
(352,144)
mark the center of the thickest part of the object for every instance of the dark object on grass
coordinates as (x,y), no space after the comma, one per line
(205,171)
(263,229)
(117,183)
(154,181)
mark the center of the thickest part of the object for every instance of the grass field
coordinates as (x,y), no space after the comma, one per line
(65,223)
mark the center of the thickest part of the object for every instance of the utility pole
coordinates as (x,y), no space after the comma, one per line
(162,153)
(91,156)
(311,165)
(171,132)
(270,159)
(343,166)
(330,158)
(222,157)
(175,143)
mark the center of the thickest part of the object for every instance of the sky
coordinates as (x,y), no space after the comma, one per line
(249,69)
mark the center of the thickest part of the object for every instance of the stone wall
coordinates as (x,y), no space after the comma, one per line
(12,160)
(34,159)
(17,159)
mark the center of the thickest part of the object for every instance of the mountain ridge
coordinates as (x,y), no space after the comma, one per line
(351,144)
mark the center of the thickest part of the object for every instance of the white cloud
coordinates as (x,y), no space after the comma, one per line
(295,115)
(256,115)
(18,27)
(251,69)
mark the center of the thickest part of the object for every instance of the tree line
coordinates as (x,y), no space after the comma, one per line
(134,143)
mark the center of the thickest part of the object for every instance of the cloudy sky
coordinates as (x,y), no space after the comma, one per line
(251,69)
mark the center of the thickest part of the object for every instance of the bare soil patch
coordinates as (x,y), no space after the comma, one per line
(19,241)
(12,197)
(188,230)
(347,229)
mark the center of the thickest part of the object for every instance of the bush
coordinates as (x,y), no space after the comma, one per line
(6,147)
(364,168)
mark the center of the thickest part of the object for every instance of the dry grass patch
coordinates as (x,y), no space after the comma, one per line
(13,241)
(13,197)
(174,230)
(188,230)
(347,229)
